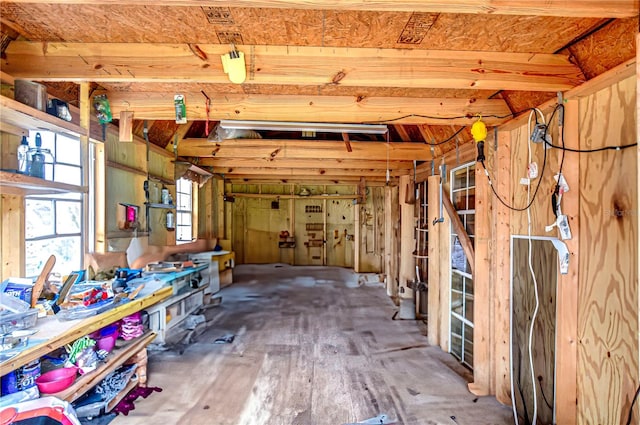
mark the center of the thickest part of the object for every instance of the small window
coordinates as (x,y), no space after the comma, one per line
(184,211)
(54,223)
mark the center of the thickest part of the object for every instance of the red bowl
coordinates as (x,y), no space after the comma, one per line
(56,380)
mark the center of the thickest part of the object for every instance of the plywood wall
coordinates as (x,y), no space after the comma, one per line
(543,260)
(608,290)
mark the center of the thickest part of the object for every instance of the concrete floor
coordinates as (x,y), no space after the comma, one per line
(313,345)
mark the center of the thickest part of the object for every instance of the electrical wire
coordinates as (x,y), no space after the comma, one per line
(635,397)
(533,277)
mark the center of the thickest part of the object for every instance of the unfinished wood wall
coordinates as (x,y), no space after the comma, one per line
(608,289)
(328,226)
(544,263)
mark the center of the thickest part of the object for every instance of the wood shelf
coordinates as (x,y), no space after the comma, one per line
(162,206)
(24,116)
(23,185)
(115,359)
(122,394)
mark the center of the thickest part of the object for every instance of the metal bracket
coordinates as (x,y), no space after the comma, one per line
(561,112)
(495,139)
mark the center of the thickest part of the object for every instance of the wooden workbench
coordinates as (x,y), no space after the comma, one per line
(59,333)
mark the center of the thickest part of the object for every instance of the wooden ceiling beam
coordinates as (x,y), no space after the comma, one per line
(305,179)
(303,149)
(352,109)
(305,164)
(318,172)
(575,8)
(292,65)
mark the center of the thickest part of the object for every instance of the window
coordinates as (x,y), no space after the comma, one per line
(184,210)
(461,315)
(54,223)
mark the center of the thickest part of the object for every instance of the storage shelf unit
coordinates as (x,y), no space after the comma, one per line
(115,359)
(60,333)
(24,116)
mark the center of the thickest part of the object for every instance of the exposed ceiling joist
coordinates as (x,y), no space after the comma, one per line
(575,8)
(318,172)
(305,164)
(159,106)
(287,65)
(305,179)
(303,149)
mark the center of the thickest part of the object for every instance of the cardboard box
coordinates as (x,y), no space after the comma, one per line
(32,94)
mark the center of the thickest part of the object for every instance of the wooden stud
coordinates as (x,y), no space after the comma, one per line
(567,296)
(407,238)
(482,331)
(436,285)
(502,264)
(391,219)
(125,126)
(444,257)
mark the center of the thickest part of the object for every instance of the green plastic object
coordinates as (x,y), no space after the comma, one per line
(103,109)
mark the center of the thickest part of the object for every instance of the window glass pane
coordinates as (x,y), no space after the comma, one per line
(39,218)
(472,176)
(184,202)
(459,200)
(456,302)
(459,178)
(468,307)
(66,249)
(184,219)
(470,223)
(68,217)
(471,201)
(456,326)
(68,150)
(456,282)
(183,233)
(68,174)
(458,259)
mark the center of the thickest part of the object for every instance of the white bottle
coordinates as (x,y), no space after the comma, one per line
(23,157)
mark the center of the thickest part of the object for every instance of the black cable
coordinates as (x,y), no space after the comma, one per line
(605,148)
(447,139)
(457,117)
(633,402)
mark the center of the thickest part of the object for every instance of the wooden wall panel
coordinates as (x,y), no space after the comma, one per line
(608,291)
(372,231)
(544,262)
(12,230)
(262,228)
(541,213)
(340,231)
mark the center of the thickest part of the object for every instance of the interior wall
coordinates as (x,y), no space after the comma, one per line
(608,289)
(325,225)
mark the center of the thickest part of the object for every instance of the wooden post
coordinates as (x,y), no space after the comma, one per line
(502,266)
(407,246)
(444,260)
(219,203)
(356,238)
(99,173)
(100,197)
(482,370)
(435,314)
(567,296)
(391,219)
(125,126)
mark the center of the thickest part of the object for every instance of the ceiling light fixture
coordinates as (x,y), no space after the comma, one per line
(319,127)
